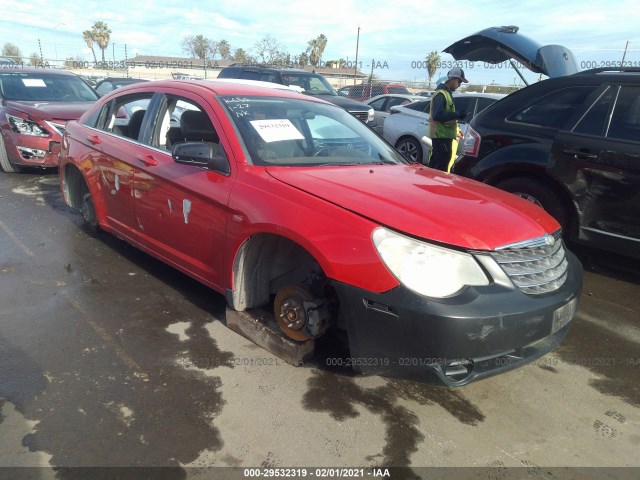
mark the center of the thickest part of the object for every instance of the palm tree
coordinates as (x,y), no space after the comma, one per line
(224,49)
(197,46)
(433,62)
(102,35)
(322,44)
(316,48)
(87,35)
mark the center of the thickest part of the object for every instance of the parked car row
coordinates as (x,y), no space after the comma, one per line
(406,124)
(364,91)
(311,83)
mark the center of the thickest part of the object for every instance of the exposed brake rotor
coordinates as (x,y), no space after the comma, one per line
(290,312)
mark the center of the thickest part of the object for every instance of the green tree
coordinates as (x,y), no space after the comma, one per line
(433,62)
(11,51)
(315,49)
(198,46)
(101,34)
(224,49)
(303,59)
(87,35)
(240,55)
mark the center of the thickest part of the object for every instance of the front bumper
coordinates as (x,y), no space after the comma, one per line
(481,332)
(26,150)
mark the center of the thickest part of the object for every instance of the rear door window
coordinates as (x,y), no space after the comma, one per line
(625,121)
(554,109)
(596,120)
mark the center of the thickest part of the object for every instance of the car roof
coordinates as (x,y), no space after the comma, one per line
(32,70)
(480,95)
(401,95)
(257,83)
(123,79)
(219,87)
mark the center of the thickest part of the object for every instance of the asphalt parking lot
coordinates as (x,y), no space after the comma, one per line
(109,358)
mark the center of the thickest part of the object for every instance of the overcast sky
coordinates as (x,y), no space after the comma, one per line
(396,34)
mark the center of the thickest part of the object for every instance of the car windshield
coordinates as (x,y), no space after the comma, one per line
(299,132)
(313,84)
(44,87)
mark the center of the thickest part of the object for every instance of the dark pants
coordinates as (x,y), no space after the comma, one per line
(440,153)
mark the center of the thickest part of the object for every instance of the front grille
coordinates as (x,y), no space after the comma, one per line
(537,266)
(362,116)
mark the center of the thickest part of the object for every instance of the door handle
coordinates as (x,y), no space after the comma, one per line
(580,153)
(94,140)
(148,160)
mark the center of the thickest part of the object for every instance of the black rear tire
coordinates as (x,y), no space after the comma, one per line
(89,216)
(542,195)
(6,165)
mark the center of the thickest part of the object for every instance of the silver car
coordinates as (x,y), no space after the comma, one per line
(382,104)
(407,124)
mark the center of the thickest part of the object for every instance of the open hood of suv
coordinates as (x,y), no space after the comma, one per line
(497,44)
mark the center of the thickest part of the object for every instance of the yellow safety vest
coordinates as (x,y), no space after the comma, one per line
(447,129)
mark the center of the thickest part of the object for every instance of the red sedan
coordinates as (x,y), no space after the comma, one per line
(35,106)
(283,201)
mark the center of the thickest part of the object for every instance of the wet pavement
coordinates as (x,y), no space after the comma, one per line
(109,358)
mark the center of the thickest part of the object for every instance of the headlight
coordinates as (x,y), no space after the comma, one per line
(26,127)
(427,269)
(370,116)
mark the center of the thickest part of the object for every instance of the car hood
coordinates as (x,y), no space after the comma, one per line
(497,44)
(425,203)
(344,102)
(52,110)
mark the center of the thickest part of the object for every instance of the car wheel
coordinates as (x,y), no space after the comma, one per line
(410,148)
(6,165)
(542,195)
(89,214)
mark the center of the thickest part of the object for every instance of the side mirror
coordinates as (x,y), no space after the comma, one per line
(202,154)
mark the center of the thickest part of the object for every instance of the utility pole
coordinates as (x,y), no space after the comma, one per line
(624,54)
(355,70)
(41,57)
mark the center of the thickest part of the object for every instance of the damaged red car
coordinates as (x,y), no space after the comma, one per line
(285,202)
(35,105)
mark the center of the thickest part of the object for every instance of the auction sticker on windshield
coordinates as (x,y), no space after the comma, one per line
(276,130)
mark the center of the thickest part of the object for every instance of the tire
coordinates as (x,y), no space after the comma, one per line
(89,216)
(410,149)
(542,195)
(6,165)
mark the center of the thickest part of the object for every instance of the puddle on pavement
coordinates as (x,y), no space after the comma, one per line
(614,358)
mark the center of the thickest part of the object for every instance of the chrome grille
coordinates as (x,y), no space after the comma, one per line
(362,116)
(536,267)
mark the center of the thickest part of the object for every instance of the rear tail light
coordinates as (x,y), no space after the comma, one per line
(471,142)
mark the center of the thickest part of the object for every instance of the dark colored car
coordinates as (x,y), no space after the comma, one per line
(312,84)
(108,84)
(288,204)
(35,106)
(570,144)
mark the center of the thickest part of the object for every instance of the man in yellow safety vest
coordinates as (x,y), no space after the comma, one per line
(443,120)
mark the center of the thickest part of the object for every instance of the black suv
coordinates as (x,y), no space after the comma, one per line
(572,145)
(311,83)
